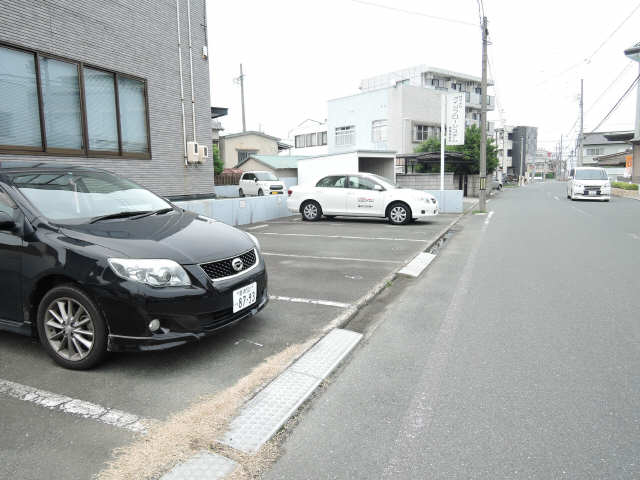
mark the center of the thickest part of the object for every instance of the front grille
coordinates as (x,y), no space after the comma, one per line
(276,187)
(224,268)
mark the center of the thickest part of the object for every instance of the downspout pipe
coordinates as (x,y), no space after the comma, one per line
(193,93)
(184,126)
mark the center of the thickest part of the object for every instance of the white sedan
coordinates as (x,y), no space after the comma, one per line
(362,195)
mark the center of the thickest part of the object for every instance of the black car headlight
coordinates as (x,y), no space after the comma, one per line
(153,272)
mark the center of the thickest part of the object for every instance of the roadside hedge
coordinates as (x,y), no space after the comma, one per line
(624,185)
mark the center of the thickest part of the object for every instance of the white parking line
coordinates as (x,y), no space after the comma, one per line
(329,258)
(328,303)
(258,226)
(344,237)
(488,219)
(72,406)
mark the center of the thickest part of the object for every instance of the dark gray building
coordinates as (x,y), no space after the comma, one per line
(525,144)
(98,83)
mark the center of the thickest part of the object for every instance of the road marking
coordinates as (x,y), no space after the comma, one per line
(635,236)
(72,406)
(345,237)
(581,211)
(555,197)
(372,260)
(488,219)
(328,303)
(258,226)
(416,266)
(249,341)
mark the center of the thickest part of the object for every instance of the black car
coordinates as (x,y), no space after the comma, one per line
(91,262)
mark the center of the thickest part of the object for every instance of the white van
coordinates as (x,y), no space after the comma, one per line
(260,183)
(590,183)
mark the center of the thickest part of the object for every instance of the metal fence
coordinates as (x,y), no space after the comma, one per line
(227,179)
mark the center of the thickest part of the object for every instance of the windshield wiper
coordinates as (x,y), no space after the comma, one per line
(125,214)
(155,212)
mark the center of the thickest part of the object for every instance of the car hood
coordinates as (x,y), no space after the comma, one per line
(183,237)
(592,182)
(410,194)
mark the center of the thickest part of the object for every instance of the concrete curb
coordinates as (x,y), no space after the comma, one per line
(181,470)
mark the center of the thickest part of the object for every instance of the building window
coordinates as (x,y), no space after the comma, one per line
(61,103)
(510,136)
(243,155)
(402,82)
(311,139)
(379,131)
(56,105)
(421,133)
(509,153)
(456,86)
(595,151)
(19,111)
(346,135)
(102,118)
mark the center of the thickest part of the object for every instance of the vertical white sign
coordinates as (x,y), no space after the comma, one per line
(455,118)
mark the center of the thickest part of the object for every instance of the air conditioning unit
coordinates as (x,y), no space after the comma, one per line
(193,153)
(203,153)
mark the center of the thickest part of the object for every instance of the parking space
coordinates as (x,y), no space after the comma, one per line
(316,271)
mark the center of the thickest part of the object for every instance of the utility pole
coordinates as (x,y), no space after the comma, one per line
(520,180)
(581,122)
(240,79)
(483,121)
(561,165)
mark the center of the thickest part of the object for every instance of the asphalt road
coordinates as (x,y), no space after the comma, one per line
(517,355)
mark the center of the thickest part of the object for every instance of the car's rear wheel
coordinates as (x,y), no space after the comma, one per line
(71,329)
(399,213)
(241,193)
(311,211)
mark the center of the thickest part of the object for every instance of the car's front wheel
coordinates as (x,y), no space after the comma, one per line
(71,329)
(260,193)
(241,193)
(311,211)
(399,213)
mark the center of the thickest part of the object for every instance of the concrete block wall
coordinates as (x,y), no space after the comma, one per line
(426,181)
(137,38)
(239,211)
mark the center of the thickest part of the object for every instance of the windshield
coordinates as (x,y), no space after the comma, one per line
(78,197)
(384,181)
(266,176)
(591,175)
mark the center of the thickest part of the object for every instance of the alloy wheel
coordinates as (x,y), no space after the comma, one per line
(310,211)
(69,329)
(398,214)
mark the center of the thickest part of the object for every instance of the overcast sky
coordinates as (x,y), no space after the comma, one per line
(297,54)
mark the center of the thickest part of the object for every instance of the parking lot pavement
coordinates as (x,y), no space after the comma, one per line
(316,271)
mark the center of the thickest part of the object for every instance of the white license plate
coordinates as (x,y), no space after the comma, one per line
(245,296)
(592,192)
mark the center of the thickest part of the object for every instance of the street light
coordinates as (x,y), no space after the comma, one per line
(634,54)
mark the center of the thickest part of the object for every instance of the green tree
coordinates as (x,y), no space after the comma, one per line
(471,149)
(218,164)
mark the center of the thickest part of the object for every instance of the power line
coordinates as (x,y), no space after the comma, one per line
(590,57)
(624,95)
(413,12)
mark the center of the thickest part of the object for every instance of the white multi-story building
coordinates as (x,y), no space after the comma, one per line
(308,138)
(399,110)
(504,146)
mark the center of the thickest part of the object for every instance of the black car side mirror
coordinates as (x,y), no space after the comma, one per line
(6,221)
